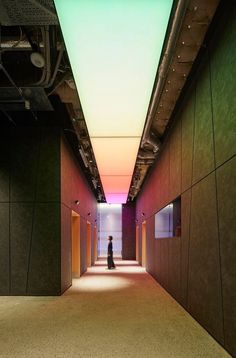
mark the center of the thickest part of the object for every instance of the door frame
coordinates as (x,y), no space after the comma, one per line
(75,245)
(137,243)
(89,244)
(144,243)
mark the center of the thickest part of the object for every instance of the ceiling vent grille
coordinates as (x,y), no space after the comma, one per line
(27,12)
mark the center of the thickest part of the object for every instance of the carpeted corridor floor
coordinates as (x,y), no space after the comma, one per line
(107,313)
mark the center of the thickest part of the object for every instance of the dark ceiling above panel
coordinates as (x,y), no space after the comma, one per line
(27,13)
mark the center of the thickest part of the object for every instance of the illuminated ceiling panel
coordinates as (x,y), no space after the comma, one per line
(116,198)
(114,49)
(115,156)
(112,184)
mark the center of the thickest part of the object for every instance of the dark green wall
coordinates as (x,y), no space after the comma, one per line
(30,211)
(198,162)
(40,180)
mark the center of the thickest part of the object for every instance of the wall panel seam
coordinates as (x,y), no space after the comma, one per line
(216,196)
(181,244)
(190,203)
(33,211)
(211,172)
(9,214)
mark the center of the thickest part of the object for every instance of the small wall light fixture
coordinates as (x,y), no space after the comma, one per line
(37,59)
(77,202)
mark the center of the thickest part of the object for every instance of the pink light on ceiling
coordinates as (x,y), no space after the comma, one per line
(114,198)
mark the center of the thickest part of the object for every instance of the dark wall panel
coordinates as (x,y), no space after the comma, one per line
(164,263)
(223,74)
(226,189)
(203,158)
(204,290)
(44,273)
(49,166)
(4,165)
(21,221)
(174,285)
(128,232)
(185,233)
(175,162)
(157,260)
(187,142)
(30,164)
(150,245)
(25,151)
(4,249)
(164,186)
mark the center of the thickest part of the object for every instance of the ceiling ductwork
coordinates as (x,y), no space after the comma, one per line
(164,67)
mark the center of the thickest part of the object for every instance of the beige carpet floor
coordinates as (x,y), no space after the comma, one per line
(107,313)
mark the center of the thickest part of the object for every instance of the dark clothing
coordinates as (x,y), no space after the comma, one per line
(110,262)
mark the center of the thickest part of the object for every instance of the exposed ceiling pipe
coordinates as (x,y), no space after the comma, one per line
(146,161)
(59,58)
(46,49)
(48,57)
(154,143)
(164,67)
(137,183)
(57,87)
(83,156)
(145,155)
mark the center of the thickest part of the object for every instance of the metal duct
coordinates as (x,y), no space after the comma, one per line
(164,67)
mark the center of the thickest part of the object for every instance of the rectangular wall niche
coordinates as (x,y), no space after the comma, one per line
(168,220)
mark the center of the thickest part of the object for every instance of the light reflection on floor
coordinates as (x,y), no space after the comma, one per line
(100,283)
(98,278)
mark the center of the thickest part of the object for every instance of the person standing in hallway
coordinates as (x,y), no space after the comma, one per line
(110,262)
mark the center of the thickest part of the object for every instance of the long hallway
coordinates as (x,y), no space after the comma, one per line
(118,313)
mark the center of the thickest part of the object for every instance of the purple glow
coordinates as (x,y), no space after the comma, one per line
(113,198)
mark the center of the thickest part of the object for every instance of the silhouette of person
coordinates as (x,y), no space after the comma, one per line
(110,262)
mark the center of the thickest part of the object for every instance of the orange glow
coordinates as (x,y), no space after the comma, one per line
(113,184)
(115,156)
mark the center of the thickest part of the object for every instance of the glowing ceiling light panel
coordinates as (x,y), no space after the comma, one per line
(114,48)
